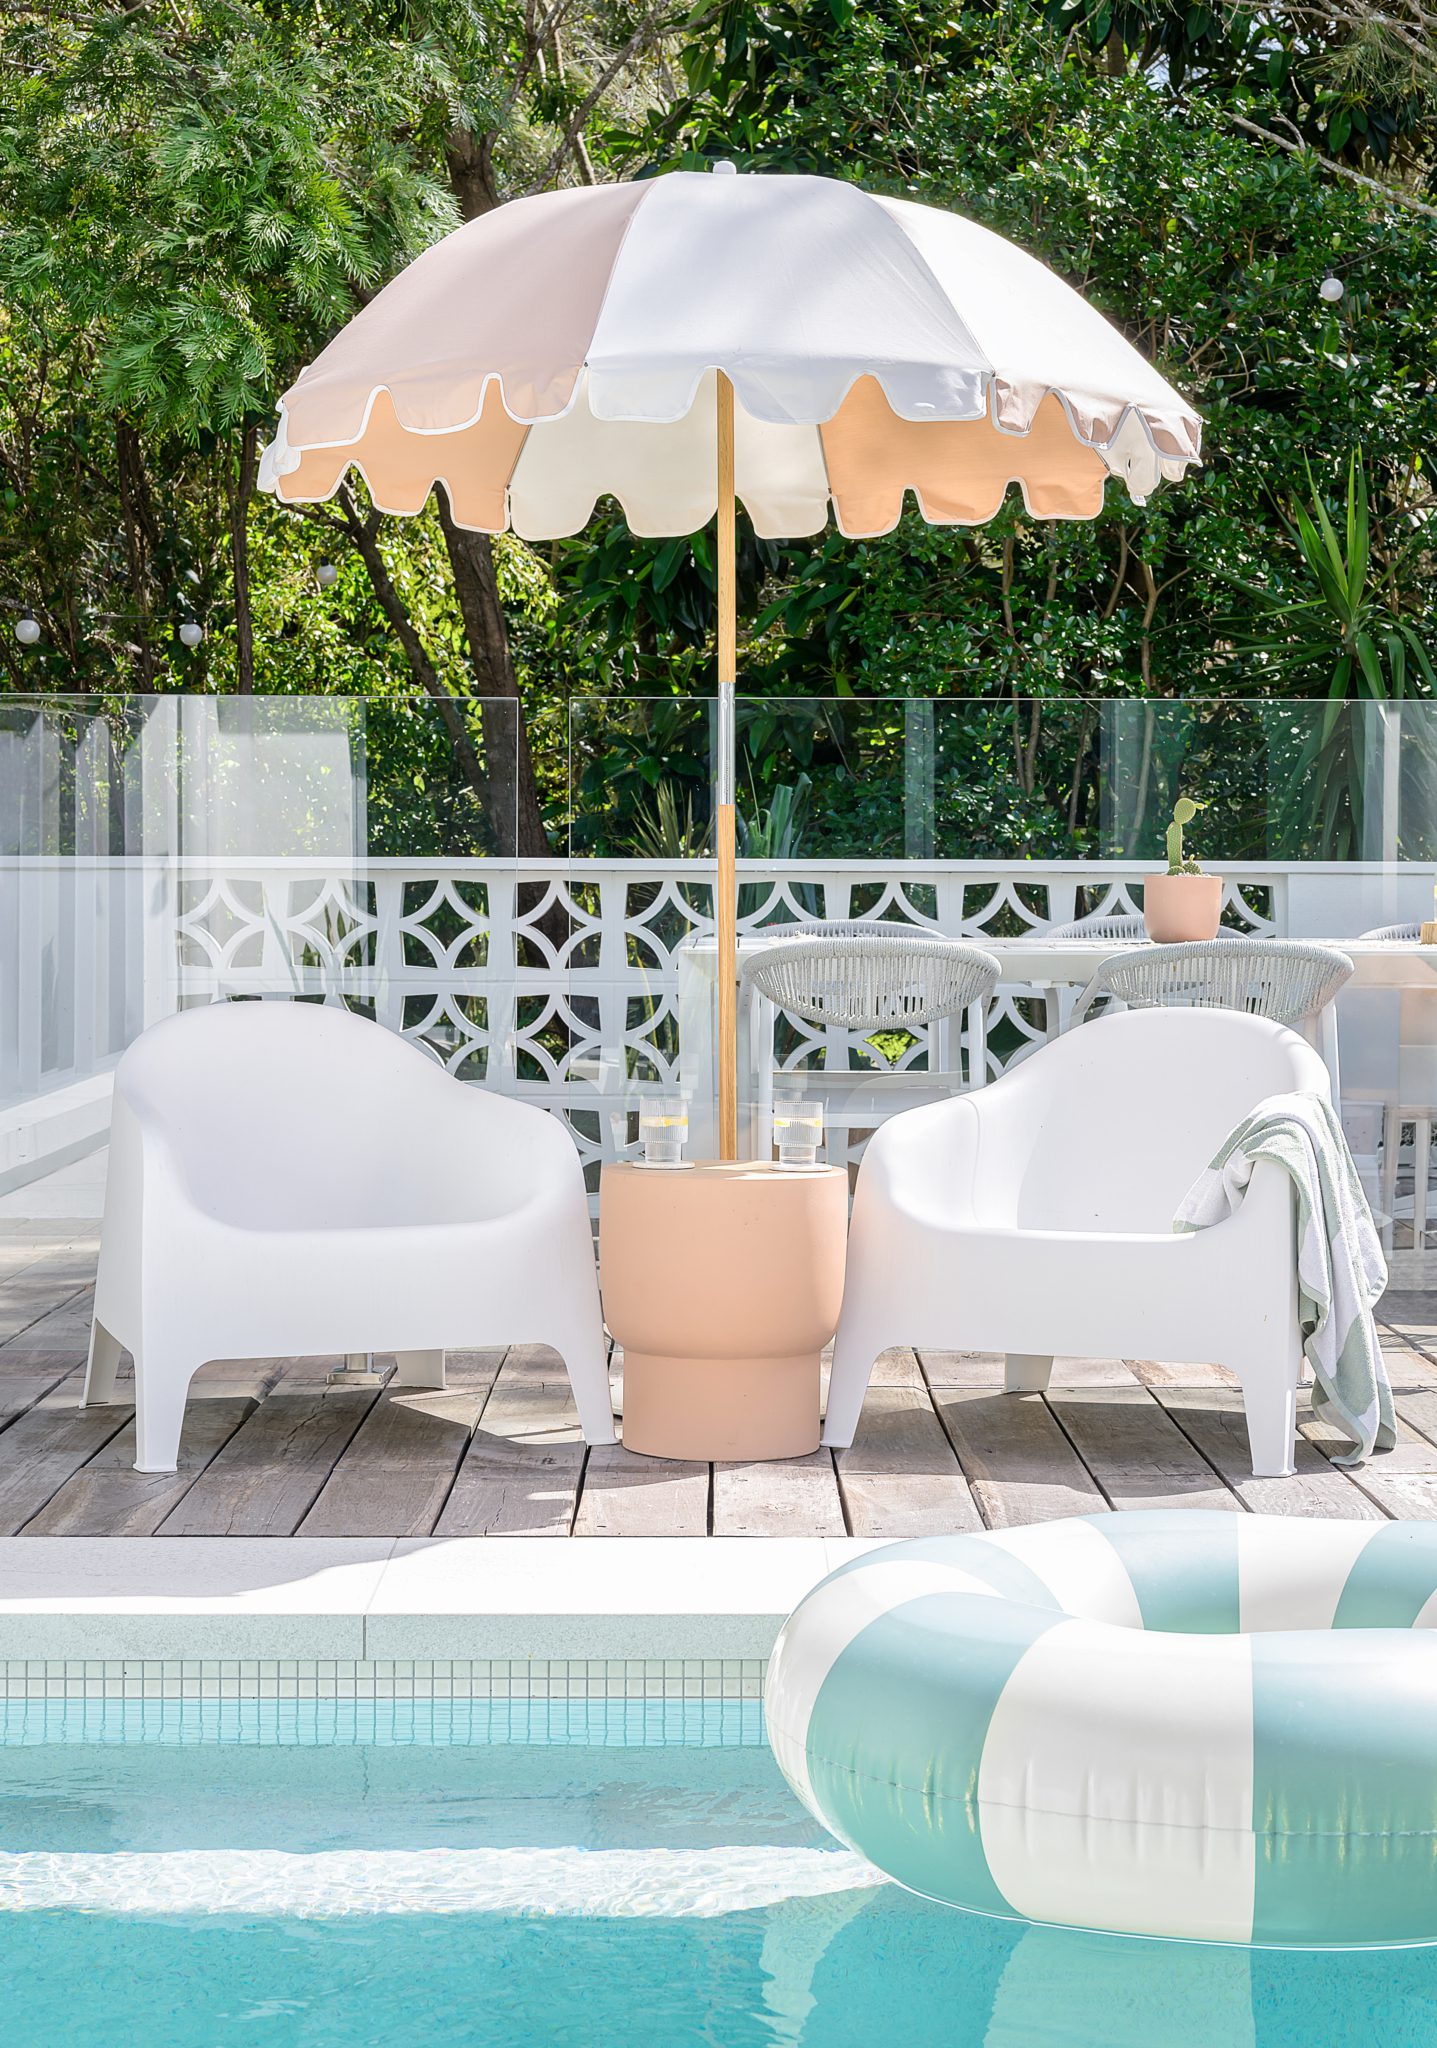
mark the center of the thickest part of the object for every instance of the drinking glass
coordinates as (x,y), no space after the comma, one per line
(798,1132)
(664,1130)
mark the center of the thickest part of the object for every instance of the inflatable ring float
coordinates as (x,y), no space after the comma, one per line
(1221,1727)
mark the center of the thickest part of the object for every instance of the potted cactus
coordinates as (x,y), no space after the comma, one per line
(1184,903)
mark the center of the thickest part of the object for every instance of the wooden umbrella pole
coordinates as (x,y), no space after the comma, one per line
(726,905)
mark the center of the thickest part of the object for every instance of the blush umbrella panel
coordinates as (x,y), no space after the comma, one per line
(806,347)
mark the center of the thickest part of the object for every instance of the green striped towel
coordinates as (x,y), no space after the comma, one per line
(1340,1269)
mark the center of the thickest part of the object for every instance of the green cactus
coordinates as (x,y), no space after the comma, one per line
(1179,862)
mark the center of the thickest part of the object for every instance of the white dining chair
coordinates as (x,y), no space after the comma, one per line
(291,1180)
(856,978)
(1035,1217)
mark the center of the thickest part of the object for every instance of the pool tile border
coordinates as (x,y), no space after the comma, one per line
(384,1679)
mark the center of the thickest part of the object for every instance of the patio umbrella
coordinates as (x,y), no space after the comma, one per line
(675,343)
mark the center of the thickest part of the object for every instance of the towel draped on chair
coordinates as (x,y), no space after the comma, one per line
(1341,1273)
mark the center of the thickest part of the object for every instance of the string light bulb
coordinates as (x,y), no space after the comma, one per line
(326,575)
(27,629)
(1331,289)
(191,632)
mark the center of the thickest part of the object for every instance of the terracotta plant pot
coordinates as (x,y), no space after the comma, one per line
(1181,907)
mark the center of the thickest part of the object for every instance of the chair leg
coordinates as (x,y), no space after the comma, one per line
(586,1361)
(1421,1169)
(161,1386)
(419,1369)
(101,1366)
(1391,1156)
(854,1353)
(1270,1405)
(1026,1372)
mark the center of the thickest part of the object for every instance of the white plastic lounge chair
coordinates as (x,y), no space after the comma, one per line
(1035,1217)
(856,977)
(288,1180)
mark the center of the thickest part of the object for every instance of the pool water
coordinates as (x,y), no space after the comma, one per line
(597,1876)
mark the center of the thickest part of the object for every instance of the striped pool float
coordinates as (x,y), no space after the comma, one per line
(1215,1726)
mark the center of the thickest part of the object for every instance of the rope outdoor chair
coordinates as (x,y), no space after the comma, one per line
(1106,926)
(1289,980)
(850,978)
(1115,925)
(1416,1101)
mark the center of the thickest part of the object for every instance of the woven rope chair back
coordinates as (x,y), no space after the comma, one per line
(866,977)
(1283,979)
(1396,934)
(1117,925)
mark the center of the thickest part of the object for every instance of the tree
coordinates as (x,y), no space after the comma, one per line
(1206,245)
(202,196)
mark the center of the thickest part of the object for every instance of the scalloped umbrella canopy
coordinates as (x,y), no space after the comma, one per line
(795,343)
(566,346)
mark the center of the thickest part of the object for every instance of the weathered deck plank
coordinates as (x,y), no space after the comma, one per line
(107,1497)
(62,1332)
(1136,1452)
(626,1494)
(1213,1418)
(1019,1464)
(394,1477)
(266,1478)
(791,1497)
(522,1472)
(900,1477)
(45,1445)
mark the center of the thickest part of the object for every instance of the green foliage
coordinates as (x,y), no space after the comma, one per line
(1344,622)
(776,830)
(197,196)
(667,832)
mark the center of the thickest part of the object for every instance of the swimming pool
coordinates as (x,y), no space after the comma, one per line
(335,1874)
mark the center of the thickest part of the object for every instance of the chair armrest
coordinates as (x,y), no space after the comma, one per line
(924,1162)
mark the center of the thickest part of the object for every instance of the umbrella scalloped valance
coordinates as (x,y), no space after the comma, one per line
(565,347)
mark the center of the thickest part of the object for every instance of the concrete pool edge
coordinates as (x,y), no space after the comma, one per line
(176,1598)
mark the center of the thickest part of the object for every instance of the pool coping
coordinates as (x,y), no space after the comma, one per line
(364,1599)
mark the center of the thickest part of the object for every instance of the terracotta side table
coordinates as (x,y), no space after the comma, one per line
(723,1284)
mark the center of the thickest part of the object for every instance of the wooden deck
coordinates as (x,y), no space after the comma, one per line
(271,1449)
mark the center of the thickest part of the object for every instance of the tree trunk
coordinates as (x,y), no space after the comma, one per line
(469,160)
(138,515)
(240,497)
(364,533)
(515,812)
(516,815)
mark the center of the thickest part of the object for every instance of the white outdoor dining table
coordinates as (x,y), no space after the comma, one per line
(1033,960)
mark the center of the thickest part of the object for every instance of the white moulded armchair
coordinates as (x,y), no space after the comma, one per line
(1035,1217)
(288,1180)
